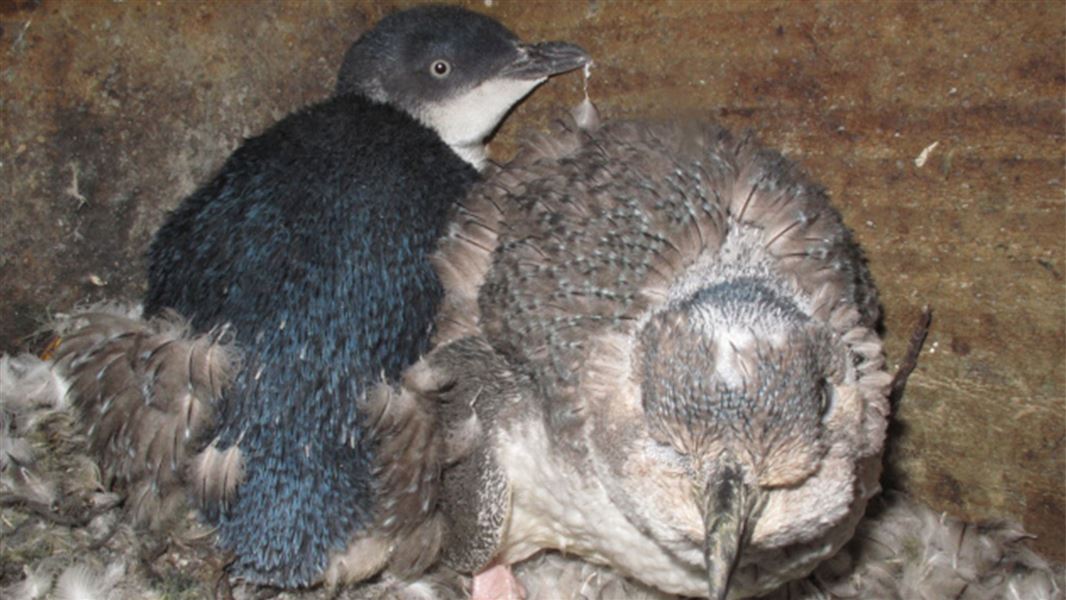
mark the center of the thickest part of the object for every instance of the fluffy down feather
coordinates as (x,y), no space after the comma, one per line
(146,391)
(81,582)
(34,585)
(904,549)
(28,386)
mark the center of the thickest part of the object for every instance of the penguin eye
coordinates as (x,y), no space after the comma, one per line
(440,69)
(825,396)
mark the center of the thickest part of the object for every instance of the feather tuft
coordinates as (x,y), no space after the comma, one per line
(363,558)
(79,582)
(34,585)
(215,474)
(410,450)
(28,382)
(146,391)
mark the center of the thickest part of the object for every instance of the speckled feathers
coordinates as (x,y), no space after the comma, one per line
(683,305)
(147,391)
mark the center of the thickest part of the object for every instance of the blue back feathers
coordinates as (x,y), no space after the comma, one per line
(312,241)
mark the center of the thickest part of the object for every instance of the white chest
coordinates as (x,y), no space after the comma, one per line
(556,507)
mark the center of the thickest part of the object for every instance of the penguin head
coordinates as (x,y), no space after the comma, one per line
(736,382)
(457,71)
(729,441)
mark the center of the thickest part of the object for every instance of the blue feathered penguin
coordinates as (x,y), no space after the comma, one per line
(311,245)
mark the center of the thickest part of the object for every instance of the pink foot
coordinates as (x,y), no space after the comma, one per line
(497,583)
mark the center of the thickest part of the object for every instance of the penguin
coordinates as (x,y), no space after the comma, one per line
(659,347)
(286,293)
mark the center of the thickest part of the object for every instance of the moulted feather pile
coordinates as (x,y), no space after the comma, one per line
(907,550)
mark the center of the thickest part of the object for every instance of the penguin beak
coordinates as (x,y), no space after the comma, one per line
(538,61)
(730,508)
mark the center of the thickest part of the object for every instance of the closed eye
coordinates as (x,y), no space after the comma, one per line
(825,397)
(667,455)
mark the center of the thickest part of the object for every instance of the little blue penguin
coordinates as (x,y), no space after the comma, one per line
(301,273)
(659,352)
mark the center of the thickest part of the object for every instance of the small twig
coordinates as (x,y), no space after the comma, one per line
(47,513)
(19,529)
(20,39)
(910,359)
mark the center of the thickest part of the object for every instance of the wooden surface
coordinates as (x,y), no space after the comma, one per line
(113,112)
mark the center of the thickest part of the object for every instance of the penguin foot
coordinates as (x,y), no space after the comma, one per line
(497,583)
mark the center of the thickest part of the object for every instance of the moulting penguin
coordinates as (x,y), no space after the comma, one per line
(302,269)
(657,348)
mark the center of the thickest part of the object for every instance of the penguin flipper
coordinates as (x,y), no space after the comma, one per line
(473,387)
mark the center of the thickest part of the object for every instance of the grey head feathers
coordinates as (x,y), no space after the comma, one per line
(457,71)
(694,327)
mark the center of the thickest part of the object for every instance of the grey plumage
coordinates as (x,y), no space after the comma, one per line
(904,549)
(667,336)
(554,576)
(147,389)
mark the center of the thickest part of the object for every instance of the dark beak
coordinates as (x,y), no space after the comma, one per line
(536,61)
(730,508)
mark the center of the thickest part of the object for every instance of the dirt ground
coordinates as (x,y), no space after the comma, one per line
(938,129)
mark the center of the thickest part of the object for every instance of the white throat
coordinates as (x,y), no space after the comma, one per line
(464,121)
(476,154)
